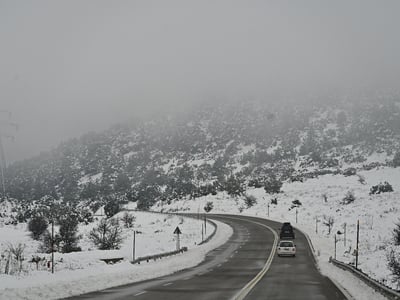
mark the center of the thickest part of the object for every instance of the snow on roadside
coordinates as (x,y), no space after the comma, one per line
(378,215)
(82,272)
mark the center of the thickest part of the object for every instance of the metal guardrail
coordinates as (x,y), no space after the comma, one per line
(158,256)
(376,285)
(211,235)
(183,249)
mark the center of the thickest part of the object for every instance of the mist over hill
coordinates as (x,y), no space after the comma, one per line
(213,147)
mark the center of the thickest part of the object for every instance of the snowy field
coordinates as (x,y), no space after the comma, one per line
(321,198)
(81,272)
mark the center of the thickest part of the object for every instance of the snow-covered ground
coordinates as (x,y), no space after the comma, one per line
(81,272)
(322,198)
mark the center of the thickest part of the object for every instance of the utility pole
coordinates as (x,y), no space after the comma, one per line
(344,234)
(358,236)
(134,246)
(52,245)
(205,224)
(335,246)
(296,214)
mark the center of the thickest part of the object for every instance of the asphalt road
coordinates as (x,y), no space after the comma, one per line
(246,267)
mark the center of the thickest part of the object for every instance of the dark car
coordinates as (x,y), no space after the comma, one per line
(287,231)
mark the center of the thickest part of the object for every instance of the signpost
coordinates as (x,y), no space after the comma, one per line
(177,231)
(134,246)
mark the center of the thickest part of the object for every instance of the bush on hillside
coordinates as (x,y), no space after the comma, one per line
(209,206)
(69,233)
(112,208)
(296,203)
(349,172)
(393,258)
(385,187)
(107,235)
(46,242)
(396,160)
(272,185)
(37,226)
(128,220)
(250,200)
(349,198)
(396,234)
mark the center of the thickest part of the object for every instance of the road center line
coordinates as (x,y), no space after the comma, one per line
(250,285)
(141,293)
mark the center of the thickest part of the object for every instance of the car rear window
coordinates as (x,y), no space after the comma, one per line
(286,244)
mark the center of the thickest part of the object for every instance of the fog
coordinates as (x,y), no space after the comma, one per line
(68,67)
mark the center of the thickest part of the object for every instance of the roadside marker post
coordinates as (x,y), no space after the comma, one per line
(177,231)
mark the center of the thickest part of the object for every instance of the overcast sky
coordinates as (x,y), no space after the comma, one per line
(68,67)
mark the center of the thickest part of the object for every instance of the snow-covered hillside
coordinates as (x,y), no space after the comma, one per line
(322,198)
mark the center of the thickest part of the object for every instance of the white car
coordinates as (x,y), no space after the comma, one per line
(286,248)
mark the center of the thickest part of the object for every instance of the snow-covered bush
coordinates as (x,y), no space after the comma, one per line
(209,206)
(69,234)
(37,226)
(273,185)
(385,187)
(349,198)
(128,220)
(393,258)
(396,234)
(396,160)
(107,235)
(250,200)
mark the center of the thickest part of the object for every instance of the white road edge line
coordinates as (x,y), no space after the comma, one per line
(141,293)
(250,285)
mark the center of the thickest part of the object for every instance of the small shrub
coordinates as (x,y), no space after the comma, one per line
(296,203)
(350,172)
(250,200)
(45,245)
(385,187)
(396,234)
(128,220)
(112,208)
(68,234)
(37,226)
(209,206)
(393,258)
(274,201)
(107,235)
(349,198)
(396,159)
(273,185)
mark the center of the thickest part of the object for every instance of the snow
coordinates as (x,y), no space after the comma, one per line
(82,272)
(90,179)
(377,214)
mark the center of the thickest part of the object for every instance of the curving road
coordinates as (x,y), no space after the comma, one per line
(246,267)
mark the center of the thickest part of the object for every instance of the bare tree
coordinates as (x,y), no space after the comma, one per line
(328,222)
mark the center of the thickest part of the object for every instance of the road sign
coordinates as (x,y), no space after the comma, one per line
(177,230)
